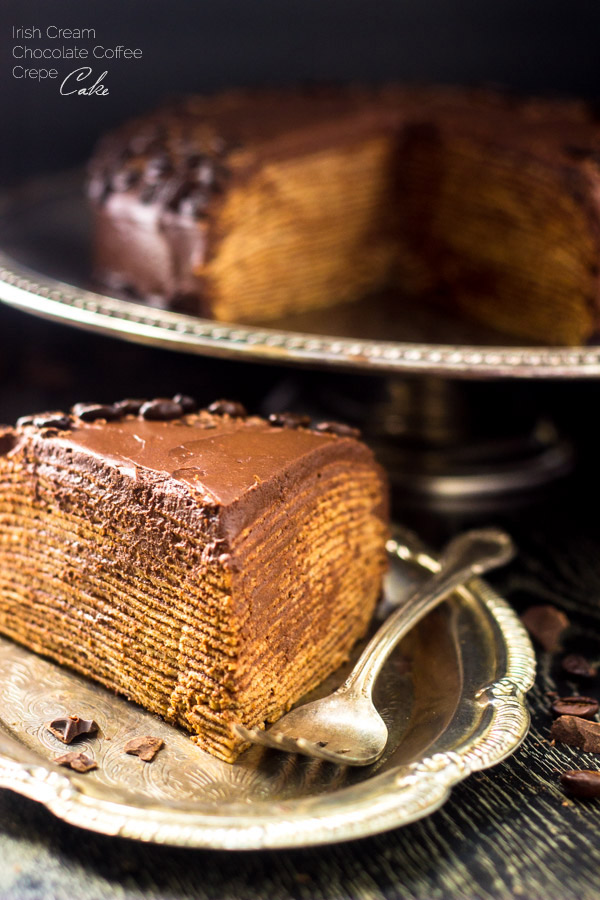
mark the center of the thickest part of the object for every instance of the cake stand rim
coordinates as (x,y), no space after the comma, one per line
(49,298)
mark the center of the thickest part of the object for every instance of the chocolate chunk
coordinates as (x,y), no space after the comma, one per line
(145,747)
(89,412)
(577,733)
(578,665)
(188,404)
(289,420)
(547,625)
(584,707)
(161,410)
(52,420)
(72,727)
(228,408)
(129,407)
(338,428)
(79,762)
(582,783)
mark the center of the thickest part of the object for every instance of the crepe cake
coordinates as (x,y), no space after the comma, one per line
(250,205)
(209,565)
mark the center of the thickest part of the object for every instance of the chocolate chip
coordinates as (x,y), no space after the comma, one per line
(228,408)
(98,188)
(188,404)
(578,153)
(581,154)
(338,428)
(148,194)
(129,407)
(79,762)
(72,727)
(289,420)
(146,140)
(204,172)
(577,732)
(89,412)
(193,203)
(194,160)
(8,441)
(581,783)
(578,665)
(161,410)
(584,707)
(547,625)
(52,420)
(219,145)
(157,168)
(145,747)
(124,179)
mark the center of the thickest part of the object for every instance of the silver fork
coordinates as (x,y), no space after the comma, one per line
(345,726)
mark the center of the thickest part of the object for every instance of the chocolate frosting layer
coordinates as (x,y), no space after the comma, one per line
(235,463)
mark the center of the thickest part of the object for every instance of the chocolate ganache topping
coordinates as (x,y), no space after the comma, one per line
(222,452)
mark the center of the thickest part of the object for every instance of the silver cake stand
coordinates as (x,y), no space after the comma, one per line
(427,356)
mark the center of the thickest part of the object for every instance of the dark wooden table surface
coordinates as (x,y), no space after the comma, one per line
(505,833)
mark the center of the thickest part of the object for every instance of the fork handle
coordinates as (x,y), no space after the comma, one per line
(466,556)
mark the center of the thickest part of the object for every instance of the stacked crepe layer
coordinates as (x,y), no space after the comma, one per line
(138,579)
(249,206)
(308,576)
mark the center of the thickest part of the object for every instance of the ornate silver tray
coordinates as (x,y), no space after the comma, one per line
(44,269)
(452,695)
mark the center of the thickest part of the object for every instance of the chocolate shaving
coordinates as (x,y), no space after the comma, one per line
(145,747)
(79,762)
(577,732)
(581,783)
(578,665)
(584,707)
(547,625)
(70,728)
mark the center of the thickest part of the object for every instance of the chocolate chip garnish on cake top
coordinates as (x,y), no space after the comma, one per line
(46,420)
(289,420)
(90,412)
